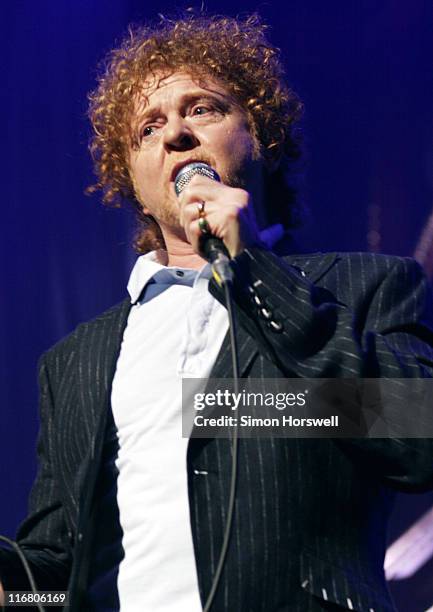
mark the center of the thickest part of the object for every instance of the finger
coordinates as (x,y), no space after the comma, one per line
(194,235)
(191,211)
(210,191)
(197,181)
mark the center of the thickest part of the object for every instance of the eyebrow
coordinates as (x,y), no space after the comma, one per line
(185,100)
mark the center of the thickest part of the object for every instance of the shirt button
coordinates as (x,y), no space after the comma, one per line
(179,273)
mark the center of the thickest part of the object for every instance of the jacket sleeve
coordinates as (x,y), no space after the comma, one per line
(43,536)
(376,321)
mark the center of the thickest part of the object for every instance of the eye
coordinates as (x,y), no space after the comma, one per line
(149,130)
(201,110)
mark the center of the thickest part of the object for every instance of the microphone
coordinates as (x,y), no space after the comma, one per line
(212,248)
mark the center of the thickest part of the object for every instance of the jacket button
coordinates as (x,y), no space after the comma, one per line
(275,326)
(266,313)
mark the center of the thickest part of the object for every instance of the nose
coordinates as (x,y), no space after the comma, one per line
(178,135)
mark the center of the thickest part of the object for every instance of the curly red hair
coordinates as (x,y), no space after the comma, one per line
(233,51)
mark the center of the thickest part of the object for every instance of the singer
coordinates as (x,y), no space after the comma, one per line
(124,512)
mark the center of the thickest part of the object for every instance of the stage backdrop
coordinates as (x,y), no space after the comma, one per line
(364,73)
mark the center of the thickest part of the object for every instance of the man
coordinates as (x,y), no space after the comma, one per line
(124,510)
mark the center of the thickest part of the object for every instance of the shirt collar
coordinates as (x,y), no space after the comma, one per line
(148,268)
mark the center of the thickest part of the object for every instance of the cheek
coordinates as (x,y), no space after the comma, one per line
(135,179)
(139,169)
(141,176)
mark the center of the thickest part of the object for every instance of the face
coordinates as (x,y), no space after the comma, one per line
(179,120)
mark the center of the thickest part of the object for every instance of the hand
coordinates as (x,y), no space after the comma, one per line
(228,212)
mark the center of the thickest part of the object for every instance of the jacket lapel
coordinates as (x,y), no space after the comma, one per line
(97,357)
(98,350)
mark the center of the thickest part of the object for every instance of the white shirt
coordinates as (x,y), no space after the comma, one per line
(174,330)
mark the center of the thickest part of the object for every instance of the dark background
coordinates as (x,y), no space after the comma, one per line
(364,72)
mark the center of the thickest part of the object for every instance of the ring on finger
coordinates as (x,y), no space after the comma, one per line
(201,210)
(203,225)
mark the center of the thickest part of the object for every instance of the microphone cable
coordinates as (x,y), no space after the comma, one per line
(227,285)
(27,569)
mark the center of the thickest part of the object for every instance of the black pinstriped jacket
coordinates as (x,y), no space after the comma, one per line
(310,514)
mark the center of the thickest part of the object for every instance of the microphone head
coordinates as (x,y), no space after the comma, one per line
(186,173)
